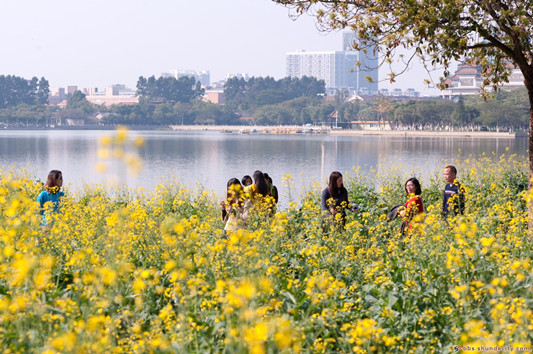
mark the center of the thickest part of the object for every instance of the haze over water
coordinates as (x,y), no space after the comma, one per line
(211,158)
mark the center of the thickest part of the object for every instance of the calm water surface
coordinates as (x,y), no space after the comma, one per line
(211,158)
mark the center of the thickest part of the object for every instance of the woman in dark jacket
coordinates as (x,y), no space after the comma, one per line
(334,202)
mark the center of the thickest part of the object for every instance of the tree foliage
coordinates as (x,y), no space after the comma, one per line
(168,113)
(15,90)
(462,115)
(24,115)
(507,111)
(78,102)
(260,91)
(169,89)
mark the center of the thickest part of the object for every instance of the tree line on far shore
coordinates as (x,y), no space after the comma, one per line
(262,101)
(15,90)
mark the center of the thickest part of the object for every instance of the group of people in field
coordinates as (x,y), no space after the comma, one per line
(261,195)
(246,196)
(334,201)
(453,201)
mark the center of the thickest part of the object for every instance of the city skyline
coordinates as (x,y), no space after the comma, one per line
(337,68)
(98,43)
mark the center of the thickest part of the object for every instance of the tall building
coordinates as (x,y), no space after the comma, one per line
(338,69)
(202,76)
(71,90)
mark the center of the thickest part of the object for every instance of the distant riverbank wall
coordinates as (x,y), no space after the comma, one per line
(348,132)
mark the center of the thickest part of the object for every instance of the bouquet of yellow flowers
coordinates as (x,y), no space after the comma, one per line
(51,190)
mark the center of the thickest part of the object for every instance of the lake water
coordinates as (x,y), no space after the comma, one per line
(211,158)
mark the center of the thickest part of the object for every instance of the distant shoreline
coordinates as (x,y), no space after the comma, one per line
(350,132)
(291,130)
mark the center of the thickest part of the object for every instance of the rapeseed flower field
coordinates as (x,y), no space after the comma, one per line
(150,272)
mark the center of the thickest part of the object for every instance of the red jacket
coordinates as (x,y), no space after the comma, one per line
(413,206)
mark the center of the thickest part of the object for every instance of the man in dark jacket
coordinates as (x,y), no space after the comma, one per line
(454,196)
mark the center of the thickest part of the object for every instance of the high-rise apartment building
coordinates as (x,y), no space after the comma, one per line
(71,90)
(202,76)
(337,68)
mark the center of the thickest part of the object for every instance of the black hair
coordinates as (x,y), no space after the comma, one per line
(267,178)
(259,180)
(332,186)
(246,178)
(418,189)
(232,190)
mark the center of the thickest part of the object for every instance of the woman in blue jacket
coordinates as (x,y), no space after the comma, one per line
(51,193)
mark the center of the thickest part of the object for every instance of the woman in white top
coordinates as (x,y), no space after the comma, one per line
(234,213)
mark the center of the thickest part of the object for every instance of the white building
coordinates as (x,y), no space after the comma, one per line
(112,95)
(467,80)
(201,76)
(338,69)
(244,76)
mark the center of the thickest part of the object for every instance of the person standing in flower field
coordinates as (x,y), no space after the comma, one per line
(234,213)
(258,190)
(454,196)
(52,194)
(272,189)
(272,194)
(413,206)
(334,202)
(257,196)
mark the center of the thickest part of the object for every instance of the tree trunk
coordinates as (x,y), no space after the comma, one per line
(529,85)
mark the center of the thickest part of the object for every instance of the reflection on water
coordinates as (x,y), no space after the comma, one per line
(211,158)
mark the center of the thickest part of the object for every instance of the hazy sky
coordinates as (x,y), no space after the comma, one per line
(97,43)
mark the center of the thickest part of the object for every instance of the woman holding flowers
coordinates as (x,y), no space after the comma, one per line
(234,213)
(334,202)
(414,204)
(51,194)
